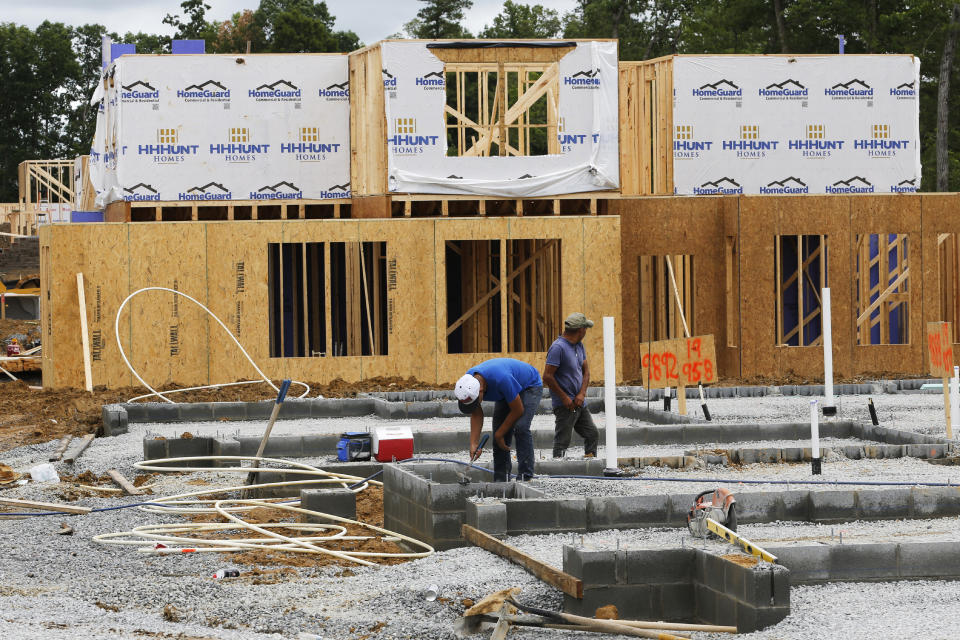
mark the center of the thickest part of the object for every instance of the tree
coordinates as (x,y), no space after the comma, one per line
(439,19)
(943,100)
(194,28)
(298,26)
(524,21)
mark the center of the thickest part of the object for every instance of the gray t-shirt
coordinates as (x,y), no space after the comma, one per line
(568,359)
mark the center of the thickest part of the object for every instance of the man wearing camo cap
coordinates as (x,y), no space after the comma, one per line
(568,376)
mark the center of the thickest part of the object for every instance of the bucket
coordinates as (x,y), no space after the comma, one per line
(354,446)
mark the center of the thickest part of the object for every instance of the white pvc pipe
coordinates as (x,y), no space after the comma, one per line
(827,347)
(610,392)
(955,398)
(814,430)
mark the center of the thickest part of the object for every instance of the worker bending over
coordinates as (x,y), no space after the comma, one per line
(516,389)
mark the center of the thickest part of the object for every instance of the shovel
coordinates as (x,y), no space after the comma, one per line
(284,387)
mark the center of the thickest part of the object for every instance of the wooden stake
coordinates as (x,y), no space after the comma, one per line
(554,577)
(84,337)
(681,400)
(43,506)
(78,448)
(64,443)
(123,483)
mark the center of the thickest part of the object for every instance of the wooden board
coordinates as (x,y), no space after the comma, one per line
(683,362)
(565,582)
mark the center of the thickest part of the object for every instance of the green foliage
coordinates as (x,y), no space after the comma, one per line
(524,21)
(439,19)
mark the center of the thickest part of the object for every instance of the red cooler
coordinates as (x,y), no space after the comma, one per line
(392,443)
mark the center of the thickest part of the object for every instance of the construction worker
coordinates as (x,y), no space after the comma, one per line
(517,389)
(567,374)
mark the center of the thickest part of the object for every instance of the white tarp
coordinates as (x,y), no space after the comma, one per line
(778,124)
(218,127)
(417,141)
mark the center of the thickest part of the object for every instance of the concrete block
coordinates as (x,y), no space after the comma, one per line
(863,561)
(693,433)
(930,560)
(833,506)
(446,497)
(781,431)
(884,504)
(283,446)
(806,563)
(531,515)
(326,408)
(635,601)
(794,505)
(189,447)
(450,410)
(356,407)
(758,507)
(662,566)
(390,410)
(152,412)
(489,517)
(571,514)
(154,449)
(592,566)
(792,454)
(335,502)
(676,601)
(114,419)
(935,502)
(665,434)
(627,512)
(319,445)
(225,447)
(196,411)
(260,410)
(747,456)
(741,432)
(423,410)
(705,602)
(229,410)
(445,526)
(769,455)
(769,616)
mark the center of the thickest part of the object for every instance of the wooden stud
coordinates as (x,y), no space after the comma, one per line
(44,506)
(84,335)
(123,483)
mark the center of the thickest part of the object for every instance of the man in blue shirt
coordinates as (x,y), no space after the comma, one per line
(568,376)
(516,389)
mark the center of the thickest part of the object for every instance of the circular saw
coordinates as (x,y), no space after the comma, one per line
(718,505)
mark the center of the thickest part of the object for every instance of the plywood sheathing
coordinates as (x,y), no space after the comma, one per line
(940,213)
(673,226)
(224,265)
(886,214)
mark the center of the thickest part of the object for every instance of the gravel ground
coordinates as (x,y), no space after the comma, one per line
(55,587)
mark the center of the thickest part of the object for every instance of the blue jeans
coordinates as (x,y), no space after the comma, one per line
(530,397)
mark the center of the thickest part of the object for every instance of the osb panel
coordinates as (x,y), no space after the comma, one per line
(671,226)
(236,278)
(940,213)
(879,214)
(61,355)
(105,274)
(601,289)
(165,335)
(728,357)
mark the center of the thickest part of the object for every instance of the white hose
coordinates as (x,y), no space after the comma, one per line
(154,392)
(153,538)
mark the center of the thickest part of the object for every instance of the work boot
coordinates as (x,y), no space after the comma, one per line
(559,453)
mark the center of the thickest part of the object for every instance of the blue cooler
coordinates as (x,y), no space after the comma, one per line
(354,446)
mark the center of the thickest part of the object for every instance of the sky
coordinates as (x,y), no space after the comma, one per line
(371,20)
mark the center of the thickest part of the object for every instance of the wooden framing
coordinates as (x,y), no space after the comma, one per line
(806,272)
(225,266)
(229,210)
(646,127)
(890,295)
(660,318)
(948,271)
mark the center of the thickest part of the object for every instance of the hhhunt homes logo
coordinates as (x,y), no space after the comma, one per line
(854,89)
(879,144)
(405,141)
(815,145)
(168,149)
(336,191)
(389,81)
(723,186)
(789,185)
(432,81)
(238,148)
(720,90)
(279,91)
(209,91)
(856,184)
(140,192)
(905,91)
(789,89)
(905,186)
(139,91)
(308,147)
(750,146)
(336,92)
(589,79)
(280,191)
(209,191)
(685,145)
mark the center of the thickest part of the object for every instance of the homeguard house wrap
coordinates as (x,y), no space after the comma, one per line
(414,206)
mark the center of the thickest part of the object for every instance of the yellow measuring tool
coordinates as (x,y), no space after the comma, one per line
(745,544)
